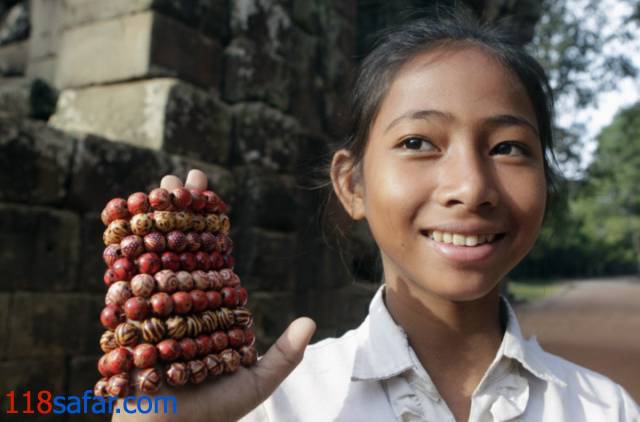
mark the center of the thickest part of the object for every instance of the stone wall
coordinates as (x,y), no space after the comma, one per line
(101,98)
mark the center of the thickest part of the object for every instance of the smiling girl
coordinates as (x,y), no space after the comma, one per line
(447,163)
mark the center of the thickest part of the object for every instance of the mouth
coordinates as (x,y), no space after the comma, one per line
(459,239)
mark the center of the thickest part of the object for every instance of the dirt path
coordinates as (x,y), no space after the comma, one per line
(594,323)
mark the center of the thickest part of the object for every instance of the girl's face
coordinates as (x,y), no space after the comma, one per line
(453,184)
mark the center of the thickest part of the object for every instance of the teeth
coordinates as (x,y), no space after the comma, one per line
(461,240)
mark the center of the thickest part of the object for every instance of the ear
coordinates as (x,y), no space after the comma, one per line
(347,183)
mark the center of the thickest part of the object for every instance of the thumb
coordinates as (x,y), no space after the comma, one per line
(285,354)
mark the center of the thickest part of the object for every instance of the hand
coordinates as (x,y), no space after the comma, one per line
(229,397)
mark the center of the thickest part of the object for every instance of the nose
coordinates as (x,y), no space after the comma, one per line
(466,179)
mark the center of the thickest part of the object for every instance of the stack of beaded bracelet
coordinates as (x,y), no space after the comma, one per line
(175,311)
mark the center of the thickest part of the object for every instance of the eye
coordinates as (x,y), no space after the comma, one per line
(510,148)
(417,144)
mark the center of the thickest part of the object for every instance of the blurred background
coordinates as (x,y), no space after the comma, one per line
(100,98)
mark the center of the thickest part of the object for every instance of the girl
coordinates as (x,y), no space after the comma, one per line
(447,162)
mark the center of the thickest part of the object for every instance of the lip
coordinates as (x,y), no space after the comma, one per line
(465,254)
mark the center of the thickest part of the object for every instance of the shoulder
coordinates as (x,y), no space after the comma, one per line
(590,391)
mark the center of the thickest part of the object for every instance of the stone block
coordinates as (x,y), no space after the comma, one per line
(142,45)
(14,23)
(253,73)
(265,136)
(92,266)
(5,299)
(47,373)
(38,248)
(83,373)
(27,98)
(44,69)
(208,16)
(266,259)
(103,170)
(162,114)
(13,58)
(46,325)
(46,17)
(35,162)
(266,200)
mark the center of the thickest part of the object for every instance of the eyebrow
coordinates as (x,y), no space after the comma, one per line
(497,120)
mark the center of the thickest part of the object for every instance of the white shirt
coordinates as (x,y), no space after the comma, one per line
(372,374)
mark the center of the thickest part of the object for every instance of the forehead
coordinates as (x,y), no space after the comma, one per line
(466,81)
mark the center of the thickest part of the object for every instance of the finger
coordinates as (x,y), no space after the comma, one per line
(196,179)
(284,355)
(170,182)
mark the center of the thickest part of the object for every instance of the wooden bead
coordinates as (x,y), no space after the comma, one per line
(155,242)
(118,229)
(153,330)
(248,355)
(201,280)
(118,293)
(176,241)
(166,281)
(160,199)
(197,371)
(230,360)
(119,360)
(185,281)
(141,224)
(132,246)
(225,224)
(198,223)
(124,269)
(136,308)
(118,385)
(145,356)
(212,223)
(188,348)
(108,341)
(111,254)
(138,203)
(149,263)
(161,304)
(168,350)
(143,285)
(177,374)
(176,327)
(209,321)
(148,381)
(236,337)
(184,221)
(243,317)
(225,318)
(116,209)
(100,389)
(194,326)
(127,334)
(165,221)
(214,365)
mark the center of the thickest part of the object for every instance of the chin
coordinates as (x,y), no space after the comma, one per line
(463,287)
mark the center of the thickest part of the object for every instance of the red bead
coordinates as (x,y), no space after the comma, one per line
(118,293)
(161,304)
(111,316)
(219,341)
(188,261)
(119,360)
(229,297)
(181,302)
(181,198)
(243,296)
(104,217)
(203,261)
(214,300)
(143,285)
(119,385)
(230,360)
(176,241)
(193,241)
(166,281)
(145,356)
(217,261)
(214,365)
(203,343)
(229,278)
(216,280)
(249,337)
(117,209)
(123,269)
(138,203)
(177,374)
(185,281)
(198,300)
(229,261)
(197,371)
(136,308)
(226,244)
(155,242)
(159,199)
(109,277)
(208,241)
(212,201)
(170,261)
(111,254)
(188,348)
(132,246)
(198,200)
(148,381)
(149,263)
(168,350)
(248,355)
(102,366)
(236,337)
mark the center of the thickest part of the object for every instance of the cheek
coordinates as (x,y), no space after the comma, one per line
(527,193)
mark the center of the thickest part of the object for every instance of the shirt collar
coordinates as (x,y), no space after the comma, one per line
(383,350)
